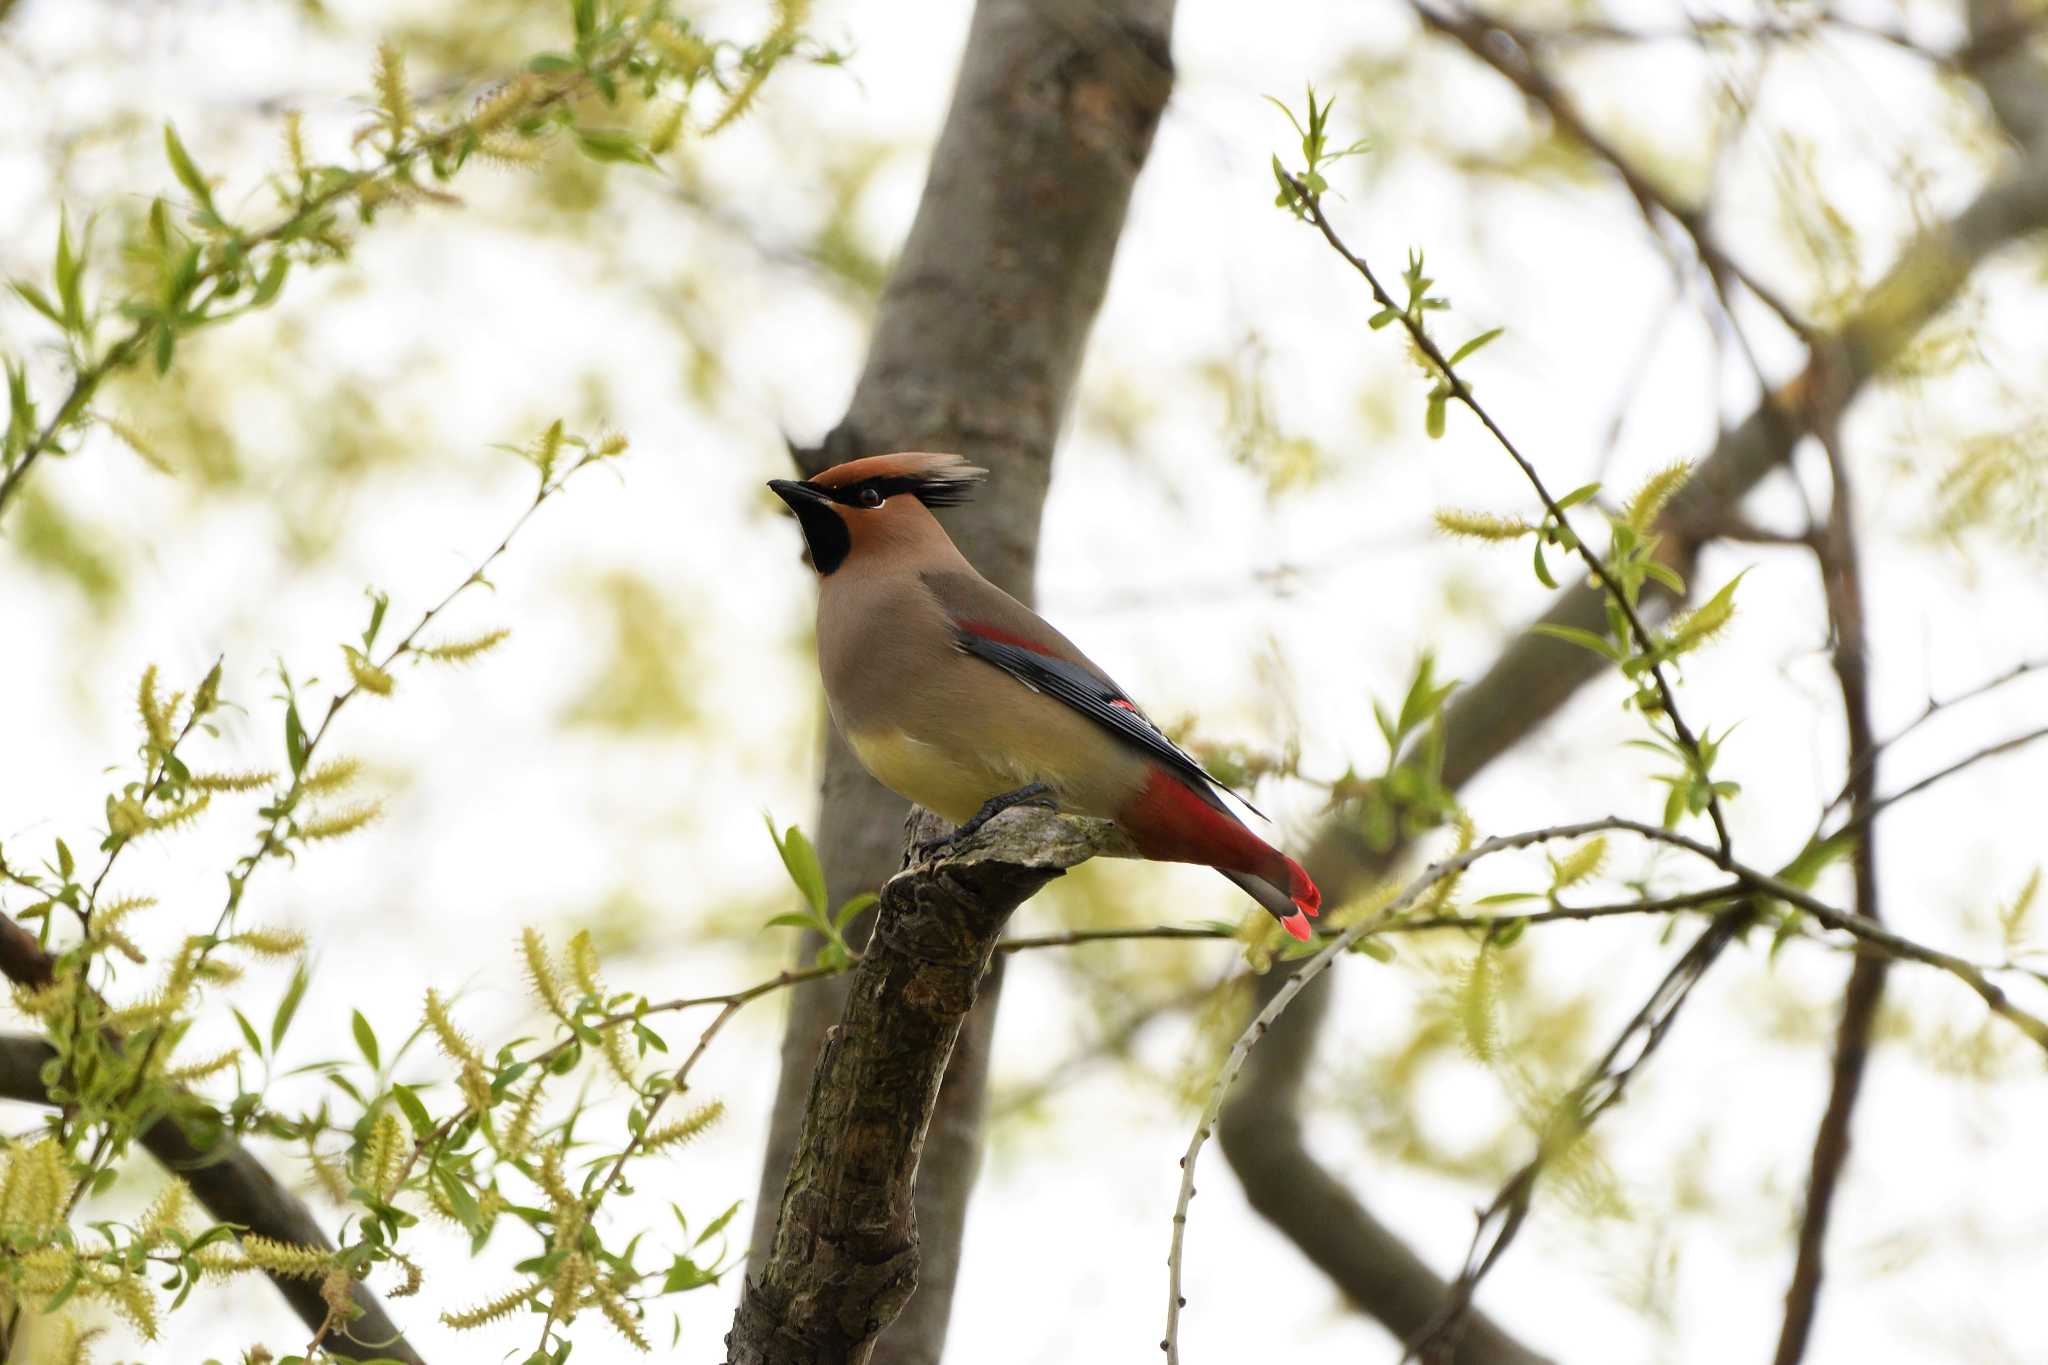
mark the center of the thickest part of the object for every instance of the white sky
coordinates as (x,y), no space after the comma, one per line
(468,328)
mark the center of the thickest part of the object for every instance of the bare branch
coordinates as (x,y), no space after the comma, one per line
(1511,52)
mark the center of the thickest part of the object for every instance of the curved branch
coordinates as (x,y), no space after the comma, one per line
(233,1185)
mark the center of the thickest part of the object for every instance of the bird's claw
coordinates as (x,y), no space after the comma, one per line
(1036,794)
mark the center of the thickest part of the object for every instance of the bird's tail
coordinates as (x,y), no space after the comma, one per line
(1294,905)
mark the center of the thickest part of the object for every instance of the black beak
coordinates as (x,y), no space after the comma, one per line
(825,534)
(797,494)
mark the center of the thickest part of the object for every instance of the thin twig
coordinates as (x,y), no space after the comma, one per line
(1311,205)
(1650,1023)
(1841,568)
(1481,35)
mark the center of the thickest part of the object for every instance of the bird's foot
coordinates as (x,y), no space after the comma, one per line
(1034,794)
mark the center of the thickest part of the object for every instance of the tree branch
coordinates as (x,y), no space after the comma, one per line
(1841,567)
(844,1260)
(1535,676)
(233,1185)
(1511,52)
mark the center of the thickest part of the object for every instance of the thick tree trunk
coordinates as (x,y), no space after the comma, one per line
(977,342)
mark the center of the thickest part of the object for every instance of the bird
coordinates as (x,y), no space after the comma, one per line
(961,699)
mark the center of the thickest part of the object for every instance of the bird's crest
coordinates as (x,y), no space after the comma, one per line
(933,479)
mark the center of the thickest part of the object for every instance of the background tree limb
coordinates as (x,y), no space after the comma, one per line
(1532,679)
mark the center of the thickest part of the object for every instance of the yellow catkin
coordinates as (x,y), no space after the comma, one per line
(384,1154)
(286,1258)
(156,715)
(295,142)
(491,1310)
(1649,501)
(540,973)
(619,1314)
(331,776)
(346,820)
(572,1279)
(461,651)
(165,1214)
(1458,521)
(1582,862)
(181,814)
(246,781)
(583,964)
(272,943)
(368,676)
(198,1071)
(684,1130)
(519,1129)
(392,94)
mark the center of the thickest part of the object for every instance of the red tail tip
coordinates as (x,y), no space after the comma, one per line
(1297,925)
(1303,892)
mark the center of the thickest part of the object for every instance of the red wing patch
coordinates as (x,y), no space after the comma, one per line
(1004,637)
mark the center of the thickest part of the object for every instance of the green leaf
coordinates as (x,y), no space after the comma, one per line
(1542,569)
(272,281)
(686,1275)
(853,906)
(1433,415)
(288,1006)
(69,263)
(415,1112)
(801,861)
(791,920)
(1474,344)
(366,1039)
(1382,318)
(249,1033)
(1375,949)
(36,299)
(1507,898)
(1578,495)
(1665,574)
(717,1225)
(294,738)
(612,145)
(65,865)
(187,173)
(1584,639)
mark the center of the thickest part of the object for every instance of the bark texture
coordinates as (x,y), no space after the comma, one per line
(977,341)
(844,1261)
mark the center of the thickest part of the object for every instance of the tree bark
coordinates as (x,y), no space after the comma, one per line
(844,1261)
(1535,676)
(977,342)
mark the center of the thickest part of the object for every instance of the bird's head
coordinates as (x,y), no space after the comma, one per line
(882,500)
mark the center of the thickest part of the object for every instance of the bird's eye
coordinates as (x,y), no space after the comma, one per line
(870,497)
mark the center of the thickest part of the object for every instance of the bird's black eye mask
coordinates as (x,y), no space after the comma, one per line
(824,525)
(872,493)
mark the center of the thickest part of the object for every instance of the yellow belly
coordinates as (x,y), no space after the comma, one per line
(947,784)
